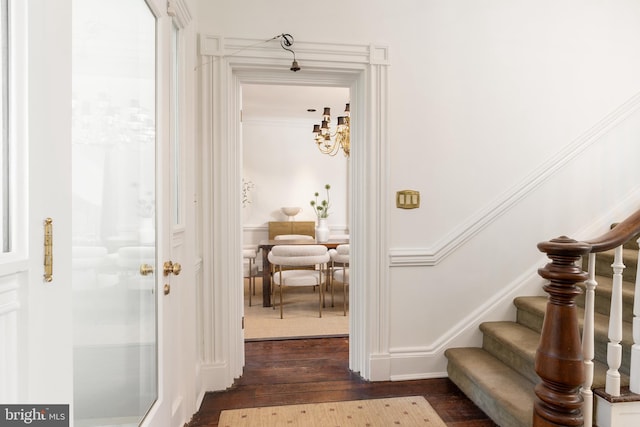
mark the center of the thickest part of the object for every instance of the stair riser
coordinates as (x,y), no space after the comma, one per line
(602,305)
(534,321)
(530,320)
(516,361)
(483,400)
(632,244)
(605,260)
(600,351)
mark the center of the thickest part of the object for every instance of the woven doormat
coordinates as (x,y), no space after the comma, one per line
(397,411)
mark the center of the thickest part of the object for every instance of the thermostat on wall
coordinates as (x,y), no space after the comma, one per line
(408,199)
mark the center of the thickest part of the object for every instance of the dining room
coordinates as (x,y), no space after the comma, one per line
(285,172)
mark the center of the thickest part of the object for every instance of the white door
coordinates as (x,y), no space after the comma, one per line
(93,334)
(115,249)
(127,368)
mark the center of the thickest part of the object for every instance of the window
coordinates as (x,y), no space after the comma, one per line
(175,124)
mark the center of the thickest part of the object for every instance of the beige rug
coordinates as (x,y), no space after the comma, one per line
(300,315)
(400,411)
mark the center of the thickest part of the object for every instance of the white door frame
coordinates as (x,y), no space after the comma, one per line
(176,339)
(226,64)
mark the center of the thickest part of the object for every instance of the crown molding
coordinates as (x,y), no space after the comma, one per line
(179,10)
(213,45)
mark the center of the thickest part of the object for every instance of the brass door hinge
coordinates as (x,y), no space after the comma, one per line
(48,250)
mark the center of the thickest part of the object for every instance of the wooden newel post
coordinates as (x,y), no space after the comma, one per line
(559,361)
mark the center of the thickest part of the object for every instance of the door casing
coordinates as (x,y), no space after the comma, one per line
(226,64)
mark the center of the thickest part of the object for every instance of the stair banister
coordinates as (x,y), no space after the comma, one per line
(559,361)
(614,347)
(618,235)
(615,238)
(562,362)
(634,380)
(588,347)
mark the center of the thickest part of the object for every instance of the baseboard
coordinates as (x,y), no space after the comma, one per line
(215,377)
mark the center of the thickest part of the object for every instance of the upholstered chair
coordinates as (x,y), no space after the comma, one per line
(249,267)
(299,265)
(340,272)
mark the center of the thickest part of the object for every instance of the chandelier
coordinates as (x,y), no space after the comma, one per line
(329,142)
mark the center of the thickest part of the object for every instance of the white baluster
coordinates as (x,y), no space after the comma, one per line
(614,348)
(587,341)
(634,382)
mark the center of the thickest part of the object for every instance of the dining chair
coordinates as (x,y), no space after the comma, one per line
(299,265)
(340,272)
(249,267)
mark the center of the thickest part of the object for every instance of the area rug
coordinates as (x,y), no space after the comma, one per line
(396,411)
(300,316)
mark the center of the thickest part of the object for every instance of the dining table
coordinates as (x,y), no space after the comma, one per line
(267,245)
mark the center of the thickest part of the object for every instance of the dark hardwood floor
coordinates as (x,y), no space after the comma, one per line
(317,370)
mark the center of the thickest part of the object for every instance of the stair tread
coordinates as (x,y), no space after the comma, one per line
(497,381)
(523,341)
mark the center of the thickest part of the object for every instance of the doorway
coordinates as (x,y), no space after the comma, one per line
(283,167)
(226,64)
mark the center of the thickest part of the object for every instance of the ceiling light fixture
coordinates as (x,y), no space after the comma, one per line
(330,143)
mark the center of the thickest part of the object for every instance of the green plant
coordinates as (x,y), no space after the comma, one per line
(321,208)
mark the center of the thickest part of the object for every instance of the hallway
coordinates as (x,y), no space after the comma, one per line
(316,370)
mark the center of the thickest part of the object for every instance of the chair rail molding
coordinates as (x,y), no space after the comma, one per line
(448,244)
(225,64)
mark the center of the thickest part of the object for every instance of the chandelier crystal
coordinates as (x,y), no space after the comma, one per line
(329,142)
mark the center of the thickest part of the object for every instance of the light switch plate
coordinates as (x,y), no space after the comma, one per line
(408,199)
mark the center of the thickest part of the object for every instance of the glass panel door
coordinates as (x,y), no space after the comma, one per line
(114,211)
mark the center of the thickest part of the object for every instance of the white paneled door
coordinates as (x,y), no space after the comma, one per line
(101,331)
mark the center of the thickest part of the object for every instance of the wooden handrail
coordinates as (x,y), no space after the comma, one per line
(559,358)
(618,235)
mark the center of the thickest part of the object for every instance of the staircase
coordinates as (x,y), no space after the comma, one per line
(500,377)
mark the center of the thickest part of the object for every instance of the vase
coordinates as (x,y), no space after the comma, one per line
(322,230)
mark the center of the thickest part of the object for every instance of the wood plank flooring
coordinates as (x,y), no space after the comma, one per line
(317,370)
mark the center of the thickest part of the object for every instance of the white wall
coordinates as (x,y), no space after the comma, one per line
(515,121)
(286,169)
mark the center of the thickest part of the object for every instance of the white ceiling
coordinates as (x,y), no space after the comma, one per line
(276,102)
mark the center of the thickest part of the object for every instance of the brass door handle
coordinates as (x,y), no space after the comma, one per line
(172,268)
(146,269)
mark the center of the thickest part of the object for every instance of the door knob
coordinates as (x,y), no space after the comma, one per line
(171,268)
(146,269)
